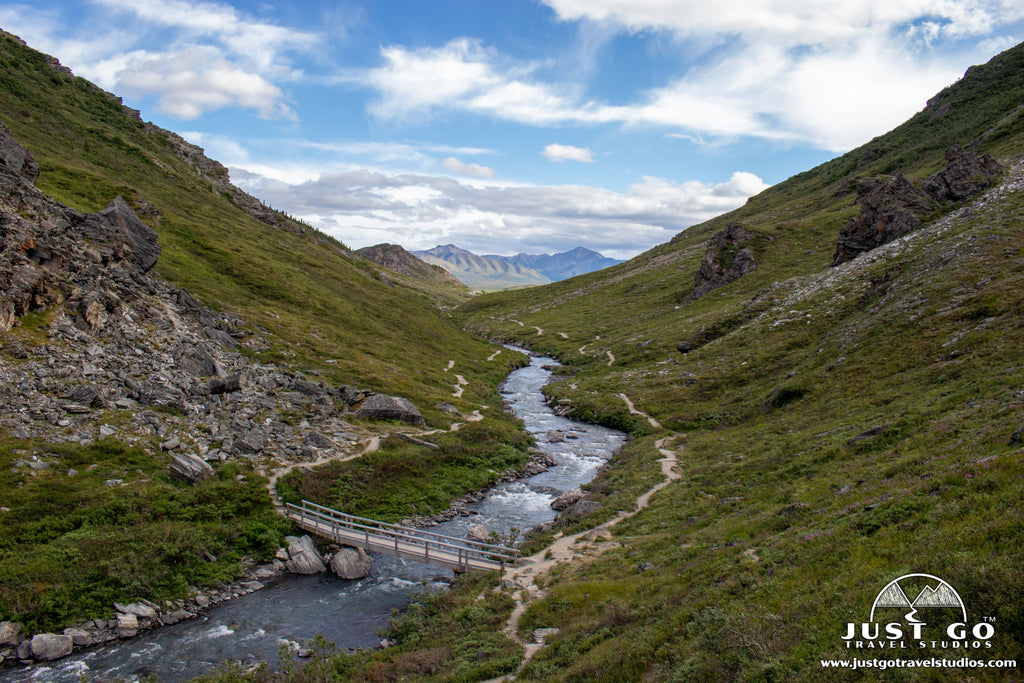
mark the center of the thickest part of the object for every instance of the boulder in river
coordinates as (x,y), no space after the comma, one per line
(303,557)
(49,646)
(478,533)
(127,625)
(351,563)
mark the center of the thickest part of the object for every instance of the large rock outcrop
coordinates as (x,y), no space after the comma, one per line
(52,254)
(893,207)
(966,175)
(726,259)
(889,209)
(15,159)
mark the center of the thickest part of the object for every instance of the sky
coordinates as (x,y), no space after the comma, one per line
(519,126)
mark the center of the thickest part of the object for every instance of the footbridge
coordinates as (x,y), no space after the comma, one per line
(413,544)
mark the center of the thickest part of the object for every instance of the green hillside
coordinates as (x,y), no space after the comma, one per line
(839,427)
(317,299)
(323,311)
(836,427)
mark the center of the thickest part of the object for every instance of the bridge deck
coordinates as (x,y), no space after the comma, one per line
(414,544)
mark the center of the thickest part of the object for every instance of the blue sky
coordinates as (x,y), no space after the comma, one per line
(508,126)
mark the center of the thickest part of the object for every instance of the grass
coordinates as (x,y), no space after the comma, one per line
(403,480)
(836,436)
(62,524)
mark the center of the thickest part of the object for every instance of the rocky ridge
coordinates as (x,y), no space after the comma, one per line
(120,339)
(396,258)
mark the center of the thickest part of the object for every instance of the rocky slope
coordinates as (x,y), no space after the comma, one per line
(119,337)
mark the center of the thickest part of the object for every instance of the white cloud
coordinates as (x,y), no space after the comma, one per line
(829,74)
(191,82)
(453,165)
(556,152)
(212,55)
(464,75)
(794,22)
(258,43)
(363,207)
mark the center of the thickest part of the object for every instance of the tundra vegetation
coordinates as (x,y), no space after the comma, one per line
(837,427)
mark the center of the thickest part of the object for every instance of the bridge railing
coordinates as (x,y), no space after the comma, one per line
(449,550)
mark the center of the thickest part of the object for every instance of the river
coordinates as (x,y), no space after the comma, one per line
(349,613)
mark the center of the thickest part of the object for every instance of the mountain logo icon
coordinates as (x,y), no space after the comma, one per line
(936,594)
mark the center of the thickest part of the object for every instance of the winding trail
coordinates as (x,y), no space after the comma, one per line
(370,444)
(611,358)
(633,411)
(494,355)
(460,381)
(522,579)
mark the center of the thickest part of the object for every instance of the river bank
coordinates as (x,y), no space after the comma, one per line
(291,610)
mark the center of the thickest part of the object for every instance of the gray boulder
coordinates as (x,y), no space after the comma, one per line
(351,563)
(138,236)
(478,533)
(189,468)
(50,646)
(80,637)
(11,634)
(228,385)
(317,440)
(253,441)
(196,360)
(584,508)
(16,158)
(127,625)
(570,497)
(139,609)
(303,557)
(381,407)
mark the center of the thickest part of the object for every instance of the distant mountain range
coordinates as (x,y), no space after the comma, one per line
(491,272)
(564,265)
